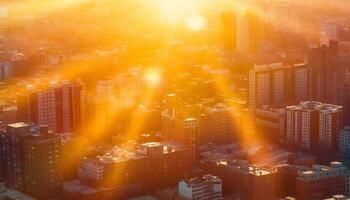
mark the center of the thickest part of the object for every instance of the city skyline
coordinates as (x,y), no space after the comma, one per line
(174,99)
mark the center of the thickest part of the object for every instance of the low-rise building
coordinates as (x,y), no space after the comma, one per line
(201,188)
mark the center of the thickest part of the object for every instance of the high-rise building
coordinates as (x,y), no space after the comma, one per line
(344,141)
(129,88)
(328,71)
(217,125)
(313,124)
(30,160)
(343,99)
(12,154)
(249,32)
(105,105)
(277,84)
(60,106)
(41,164)
(322,182)
(300,82)
(268,85)
(182,130)
(229,30)
(201,188)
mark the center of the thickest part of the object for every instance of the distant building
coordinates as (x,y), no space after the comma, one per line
(182,130)
(313,125)
(201,188)
(322,182)
(329,32)
(250,32)
(343,99)
(344,141)
(60,106)
(328,71)
(229,29)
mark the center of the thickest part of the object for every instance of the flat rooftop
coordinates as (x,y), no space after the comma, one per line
(18,125)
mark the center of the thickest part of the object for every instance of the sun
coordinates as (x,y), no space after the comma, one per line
(196,23)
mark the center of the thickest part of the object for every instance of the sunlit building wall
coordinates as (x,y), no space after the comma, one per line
(59,105)
(180,129)
(129,88)
(267,85)
(105,106)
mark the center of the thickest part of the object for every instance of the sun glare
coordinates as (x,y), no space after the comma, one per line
(153,76)
(175,10)
(196,23)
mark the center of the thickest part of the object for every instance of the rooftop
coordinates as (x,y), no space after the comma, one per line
(117,154)
(18,125)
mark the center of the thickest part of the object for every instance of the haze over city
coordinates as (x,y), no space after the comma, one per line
(174,99)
